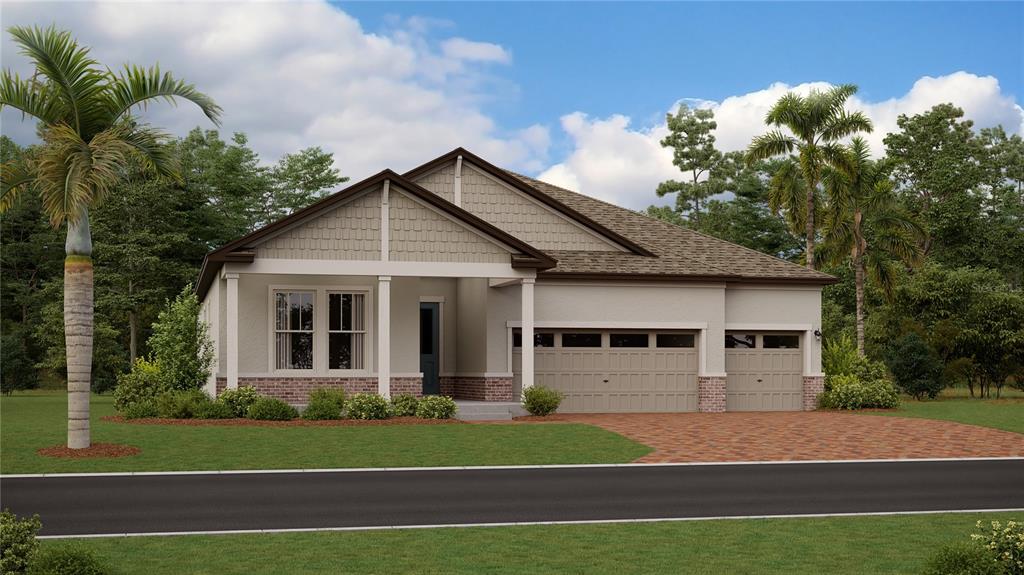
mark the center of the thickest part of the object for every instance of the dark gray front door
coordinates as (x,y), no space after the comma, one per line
(429,346)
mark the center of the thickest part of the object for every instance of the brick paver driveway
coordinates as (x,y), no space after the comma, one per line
(767,436)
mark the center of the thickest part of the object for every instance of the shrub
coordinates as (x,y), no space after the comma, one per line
(540,400)
(140,409)
(325,404)
(239,400)
(850,392)
(272,409)
(367,406)
(180,342)
(66,560)
(144,382)
(915,367)
(404,405)
(181,404)
(20,371)
(210,409)
(18,542)
(839,356)
(436,407)
(1005,542)
(963,559)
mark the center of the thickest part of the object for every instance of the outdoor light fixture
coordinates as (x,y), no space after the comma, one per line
(817,334)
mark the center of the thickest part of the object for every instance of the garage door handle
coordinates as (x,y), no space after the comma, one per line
(759,380)
(604,381)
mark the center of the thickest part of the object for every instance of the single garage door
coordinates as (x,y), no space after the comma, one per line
(765,372)
(615,371)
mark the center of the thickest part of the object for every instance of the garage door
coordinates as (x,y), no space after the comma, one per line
(764,372)
(615,371)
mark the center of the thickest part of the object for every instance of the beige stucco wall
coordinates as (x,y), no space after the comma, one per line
(472,309)
(781,306)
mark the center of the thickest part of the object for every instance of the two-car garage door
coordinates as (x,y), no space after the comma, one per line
(616,371)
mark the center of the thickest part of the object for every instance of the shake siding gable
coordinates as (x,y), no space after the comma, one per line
(349,232)
(523,217)
(441,181)
(420,234)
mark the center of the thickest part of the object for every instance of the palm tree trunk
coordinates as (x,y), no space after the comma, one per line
(858,263)
(810,224)
(78,321)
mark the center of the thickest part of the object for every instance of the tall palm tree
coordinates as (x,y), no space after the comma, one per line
(865,223)
(88,138)
(816,123)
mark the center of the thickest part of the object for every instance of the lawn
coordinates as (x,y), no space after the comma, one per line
(863,545)
(1006,414)
(33,420)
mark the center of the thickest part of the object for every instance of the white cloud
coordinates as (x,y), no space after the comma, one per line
(300,74)
(617,162)
(462,49)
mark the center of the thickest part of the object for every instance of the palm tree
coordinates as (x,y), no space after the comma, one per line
(817,122)
(88,139)
(865,223)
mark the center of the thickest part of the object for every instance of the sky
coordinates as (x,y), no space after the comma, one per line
(574,93)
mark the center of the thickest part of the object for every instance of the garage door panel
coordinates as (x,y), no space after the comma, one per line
(763,379)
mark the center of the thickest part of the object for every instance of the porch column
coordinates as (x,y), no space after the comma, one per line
(384,336)
(232,330)
(527,329)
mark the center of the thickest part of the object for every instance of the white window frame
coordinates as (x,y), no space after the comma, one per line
(274,331)
(366,331)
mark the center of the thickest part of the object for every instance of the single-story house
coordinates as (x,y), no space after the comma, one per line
(464,279)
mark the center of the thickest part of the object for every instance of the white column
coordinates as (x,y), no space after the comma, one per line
(457,186)
(527,321)
(384,336)
(232,330)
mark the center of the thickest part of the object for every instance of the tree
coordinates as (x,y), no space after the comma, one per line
(914,366)
(693,152)
(816,123)
(300,179)
(180,343)
(89,136)
(865,223)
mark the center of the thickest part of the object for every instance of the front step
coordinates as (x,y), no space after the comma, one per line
(488,410)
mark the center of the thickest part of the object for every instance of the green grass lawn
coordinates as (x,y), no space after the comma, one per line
(1006,414)
(32,420)
(862,545)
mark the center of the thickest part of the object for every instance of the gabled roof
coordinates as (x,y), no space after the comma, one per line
(241,250)
(680,253)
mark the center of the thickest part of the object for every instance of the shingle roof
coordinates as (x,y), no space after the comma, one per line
(679,252)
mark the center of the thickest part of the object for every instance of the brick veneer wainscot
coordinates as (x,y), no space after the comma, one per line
(710,394)
(295,390)
(814,385)
(477,388)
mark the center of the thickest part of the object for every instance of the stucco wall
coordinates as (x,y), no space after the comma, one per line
(780,306)
(472,306)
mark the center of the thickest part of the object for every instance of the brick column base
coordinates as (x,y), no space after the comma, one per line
(711,394)
(478,388)
(295,390)
(814,385)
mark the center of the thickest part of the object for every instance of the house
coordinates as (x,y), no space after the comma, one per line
(464,279)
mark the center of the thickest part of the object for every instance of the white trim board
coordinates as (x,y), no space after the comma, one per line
(379,268)
(653,325)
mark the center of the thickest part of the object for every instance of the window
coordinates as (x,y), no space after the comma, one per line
(540,339)
(675,340)
(739,341)
(628,340)
(581,340)
(781,341)
(293,329)
(346,330)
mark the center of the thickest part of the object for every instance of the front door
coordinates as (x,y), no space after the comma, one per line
(429,346)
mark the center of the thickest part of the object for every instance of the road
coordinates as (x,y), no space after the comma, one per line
(215,502)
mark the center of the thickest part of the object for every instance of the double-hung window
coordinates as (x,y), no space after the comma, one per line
(293,329)
(346,330)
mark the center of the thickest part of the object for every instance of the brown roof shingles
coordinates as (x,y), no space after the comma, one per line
(680,252)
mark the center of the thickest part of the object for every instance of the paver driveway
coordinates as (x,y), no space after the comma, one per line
(779,436)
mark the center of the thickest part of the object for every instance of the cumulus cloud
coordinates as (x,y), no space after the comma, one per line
(300,74)
(616,161)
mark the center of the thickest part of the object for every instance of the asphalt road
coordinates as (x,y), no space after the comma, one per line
(176,503)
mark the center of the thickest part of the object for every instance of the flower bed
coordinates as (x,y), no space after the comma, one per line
(290,423)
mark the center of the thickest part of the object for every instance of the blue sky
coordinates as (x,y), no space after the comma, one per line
(574,93)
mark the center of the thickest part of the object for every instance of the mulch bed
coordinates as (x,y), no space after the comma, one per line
(94,450)
(242,422)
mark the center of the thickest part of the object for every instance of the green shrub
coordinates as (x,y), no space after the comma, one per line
(66,560)
(180,342)
(367,406)
(324,404)
(210,409)
(1005,542)
(145,381)
(141,409)
(404,405)
(963,559)
(850,392)
(181,404)
(915,367)
(18,542)
(436,407)
(272,409)
(540,400)
(19,369)
(839,356)
(239,400)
